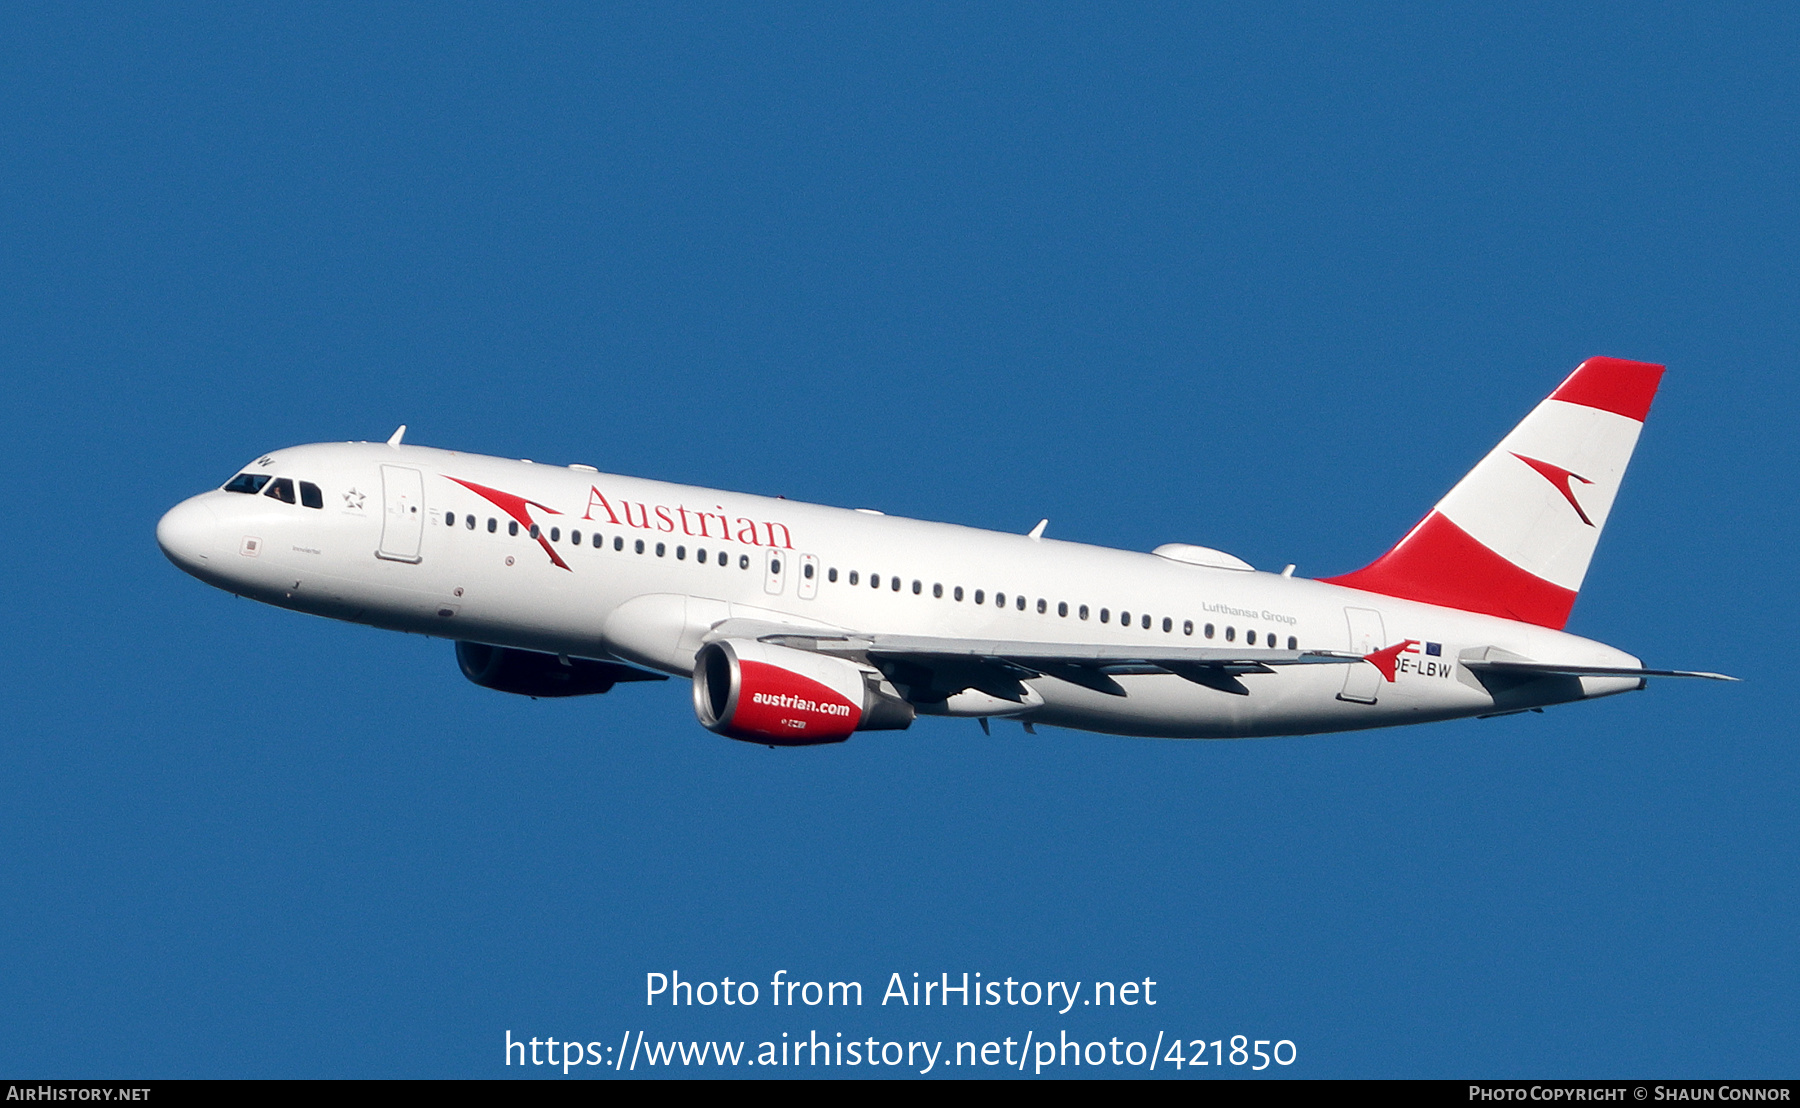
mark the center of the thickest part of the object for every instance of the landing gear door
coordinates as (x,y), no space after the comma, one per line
(808,586)
(775,571)
(402,515)
(1362,681)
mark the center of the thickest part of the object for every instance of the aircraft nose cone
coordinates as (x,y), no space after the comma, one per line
(187,534)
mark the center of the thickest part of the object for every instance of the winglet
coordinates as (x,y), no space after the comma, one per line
(1038,531)
(399,433)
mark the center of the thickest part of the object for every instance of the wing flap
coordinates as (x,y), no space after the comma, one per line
(1092,654)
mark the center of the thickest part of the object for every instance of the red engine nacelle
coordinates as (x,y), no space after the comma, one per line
(764,693)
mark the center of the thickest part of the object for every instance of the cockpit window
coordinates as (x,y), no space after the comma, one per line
(313,498)
(282,489)
(251,483)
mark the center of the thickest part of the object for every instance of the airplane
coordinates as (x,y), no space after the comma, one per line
(800,624)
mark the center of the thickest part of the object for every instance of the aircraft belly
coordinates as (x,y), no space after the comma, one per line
(1293,701)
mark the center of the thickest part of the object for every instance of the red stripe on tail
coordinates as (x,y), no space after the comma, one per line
(1612,385)
(1440,563)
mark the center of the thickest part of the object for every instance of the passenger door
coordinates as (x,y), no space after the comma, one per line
(403,514)
(1362,681)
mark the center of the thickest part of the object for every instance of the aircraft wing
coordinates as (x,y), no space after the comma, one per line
(1093,666)
(996,666)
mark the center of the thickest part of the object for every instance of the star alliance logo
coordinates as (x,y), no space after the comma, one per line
(353,500)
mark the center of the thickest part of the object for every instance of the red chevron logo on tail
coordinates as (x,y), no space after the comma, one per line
(1559,477)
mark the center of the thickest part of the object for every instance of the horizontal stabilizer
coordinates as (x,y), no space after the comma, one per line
(1557,669)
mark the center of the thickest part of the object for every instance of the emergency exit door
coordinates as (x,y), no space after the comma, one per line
(775,575)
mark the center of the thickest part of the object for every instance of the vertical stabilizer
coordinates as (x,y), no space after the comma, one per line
(1514,537)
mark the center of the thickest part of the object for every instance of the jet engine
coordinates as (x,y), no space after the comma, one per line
(529,673)
(763,693)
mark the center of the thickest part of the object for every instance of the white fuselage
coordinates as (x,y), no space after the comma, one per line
(416,539)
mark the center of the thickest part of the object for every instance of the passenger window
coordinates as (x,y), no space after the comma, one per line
(311,497)
(534,531)
(468,521)
(1146,621)
(831,575)
(449,519)
(1019,603)
(575,537)
(681,555)
(1062,608)
(980,596)
(1081,612)
(853,579)
(619,542)
(598,541)
(1105,616)
(937,591)
(555,534)
(661,549)
(1042,606)
(1187,626)
(1249,638)
(493,525)
(512,527)
(1293,643)
(806,571)
(640,546)
(1230,634)
(1124,619)
(743,561)
(956,593)
(896,582)
(251,483)
(999,600)
(1168,625)
(874,580)
(918,588)
(281,489)
(1209,631)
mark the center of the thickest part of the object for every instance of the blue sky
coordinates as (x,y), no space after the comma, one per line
(1265,278)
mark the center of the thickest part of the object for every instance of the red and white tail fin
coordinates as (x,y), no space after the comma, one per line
(1514,537)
